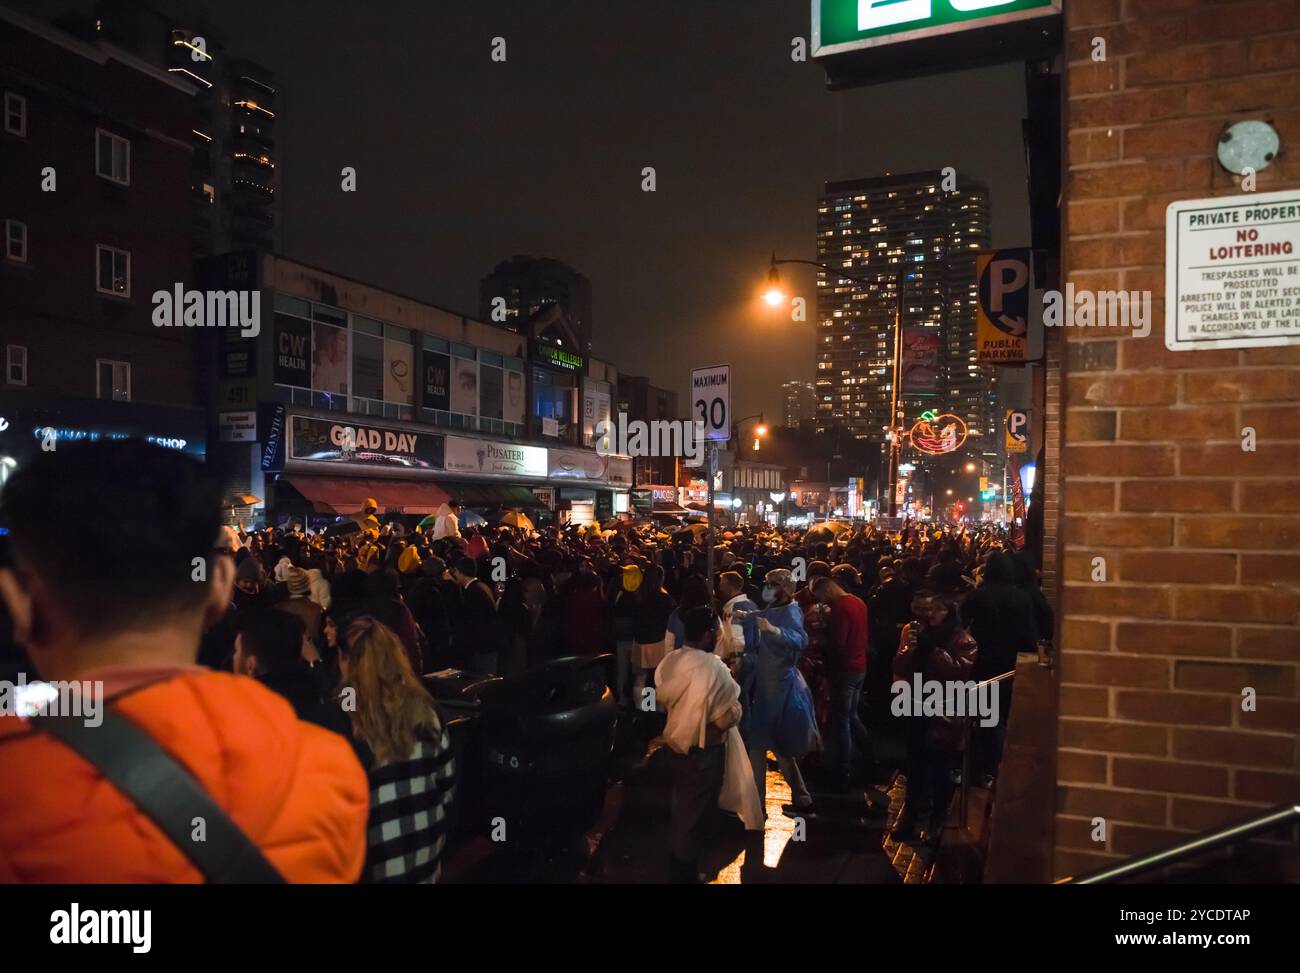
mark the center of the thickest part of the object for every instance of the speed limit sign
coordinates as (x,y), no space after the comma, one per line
(711,401)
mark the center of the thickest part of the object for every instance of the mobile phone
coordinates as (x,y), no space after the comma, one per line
(33,698)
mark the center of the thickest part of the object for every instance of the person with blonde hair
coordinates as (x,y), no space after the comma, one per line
(406,752)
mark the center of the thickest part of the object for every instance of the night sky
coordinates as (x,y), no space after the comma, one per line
(462,161)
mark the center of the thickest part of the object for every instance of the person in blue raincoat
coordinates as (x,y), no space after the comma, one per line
(778,708)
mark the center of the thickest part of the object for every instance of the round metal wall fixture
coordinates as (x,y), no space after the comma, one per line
(1248,145)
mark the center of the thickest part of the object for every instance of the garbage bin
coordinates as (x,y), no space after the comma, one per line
(547,735)
(460,711)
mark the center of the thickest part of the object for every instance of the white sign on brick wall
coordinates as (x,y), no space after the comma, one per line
(1232,272)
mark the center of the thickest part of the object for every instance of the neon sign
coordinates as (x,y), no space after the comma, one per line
(936,434)
(94,436)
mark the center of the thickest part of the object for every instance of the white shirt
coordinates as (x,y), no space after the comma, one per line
(446,526)
(733,632)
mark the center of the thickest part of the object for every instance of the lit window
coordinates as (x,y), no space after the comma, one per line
(112,157)
(112,271)
(113,380)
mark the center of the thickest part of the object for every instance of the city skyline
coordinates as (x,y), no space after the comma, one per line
(534,162)
(916,235)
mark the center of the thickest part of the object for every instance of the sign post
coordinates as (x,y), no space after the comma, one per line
(711,406)
(1017,422)
(1002,311)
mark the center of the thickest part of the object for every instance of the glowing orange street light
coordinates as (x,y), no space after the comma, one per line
(775,295)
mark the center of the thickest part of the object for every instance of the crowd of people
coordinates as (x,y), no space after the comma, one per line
(790,648)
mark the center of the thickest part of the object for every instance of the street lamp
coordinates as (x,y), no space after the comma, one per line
(775,296)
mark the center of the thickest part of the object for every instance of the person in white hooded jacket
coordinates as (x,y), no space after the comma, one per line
(448,522)
(710,766)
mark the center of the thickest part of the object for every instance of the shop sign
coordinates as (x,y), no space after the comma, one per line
(843,26)
(574,464)
(486,456)
(320,440)
(237,427)
(237,394)
(567,361)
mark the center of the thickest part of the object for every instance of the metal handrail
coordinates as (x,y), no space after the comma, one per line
(1218,838)
(966,745)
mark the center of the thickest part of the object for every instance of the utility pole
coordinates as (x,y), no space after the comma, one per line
(895,444)
(711,466)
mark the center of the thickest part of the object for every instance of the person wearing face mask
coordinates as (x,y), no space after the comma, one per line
(935,647)
(778,706)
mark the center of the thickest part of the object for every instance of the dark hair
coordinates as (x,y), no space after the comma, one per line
(652,582)
(695,592)
(113,529)
(698,622)
(465,565)
(953,619)
(732,577)
(273,637)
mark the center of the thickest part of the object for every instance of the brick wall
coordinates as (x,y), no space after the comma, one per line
(1201,540)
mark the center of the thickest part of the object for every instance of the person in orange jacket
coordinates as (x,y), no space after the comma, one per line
(110,577)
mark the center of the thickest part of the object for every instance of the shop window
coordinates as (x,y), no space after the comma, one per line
(367,358)
(553,403)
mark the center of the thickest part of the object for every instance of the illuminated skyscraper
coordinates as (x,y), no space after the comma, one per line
(906,231)
(800,405)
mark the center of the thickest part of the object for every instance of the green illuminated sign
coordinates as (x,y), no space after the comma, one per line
(558,357)
(840,26)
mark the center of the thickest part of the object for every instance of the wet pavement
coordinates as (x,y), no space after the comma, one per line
(844,840)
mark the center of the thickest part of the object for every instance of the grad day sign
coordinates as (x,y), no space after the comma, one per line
(319,440)
(1232,272)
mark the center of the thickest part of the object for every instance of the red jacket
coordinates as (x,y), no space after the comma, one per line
(847,642)
(952,661)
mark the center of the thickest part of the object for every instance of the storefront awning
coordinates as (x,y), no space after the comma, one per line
(345,495)
(493,495)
